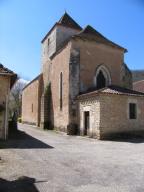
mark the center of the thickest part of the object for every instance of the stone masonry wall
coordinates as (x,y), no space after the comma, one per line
(56,38)
(60,63)
(31,103)
(74,81)
(114,114)
(94,54)
(64,33)
(93,106)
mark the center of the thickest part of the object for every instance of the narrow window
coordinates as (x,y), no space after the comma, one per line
(61,91)
(32,107)
(48,44)
(132,111)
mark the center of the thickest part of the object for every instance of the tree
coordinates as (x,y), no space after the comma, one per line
(16,97)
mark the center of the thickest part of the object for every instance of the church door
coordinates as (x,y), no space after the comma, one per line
(86,122)
(101,81)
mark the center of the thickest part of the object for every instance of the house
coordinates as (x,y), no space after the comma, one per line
(7,80)
(83,83)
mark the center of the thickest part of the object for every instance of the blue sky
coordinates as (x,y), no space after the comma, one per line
(23,24)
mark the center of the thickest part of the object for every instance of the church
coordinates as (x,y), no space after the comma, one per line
(84,86)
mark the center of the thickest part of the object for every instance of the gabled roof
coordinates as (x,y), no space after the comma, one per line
(90,30)
(36,78)
(112,89)
(68,21)
(7,72)
(91,34)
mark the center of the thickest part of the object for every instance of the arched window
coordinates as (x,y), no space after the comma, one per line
(61,91)
(101,81)
(102,77)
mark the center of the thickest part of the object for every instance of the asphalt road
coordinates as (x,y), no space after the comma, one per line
(46,161)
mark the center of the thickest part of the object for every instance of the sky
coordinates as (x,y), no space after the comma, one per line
(24,23)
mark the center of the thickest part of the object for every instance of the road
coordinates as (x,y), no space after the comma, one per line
(47,161)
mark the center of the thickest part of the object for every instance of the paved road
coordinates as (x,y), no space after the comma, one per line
(46,161)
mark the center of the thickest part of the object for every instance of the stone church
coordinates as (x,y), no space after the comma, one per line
(84,86)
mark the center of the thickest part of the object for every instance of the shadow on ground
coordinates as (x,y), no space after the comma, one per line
(21,140)
(130,138)
(23,184)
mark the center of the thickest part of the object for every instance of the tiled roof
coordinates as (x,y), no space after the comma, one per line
(139,86)
(67,21)
(5,71)
(116,90)
(90,33)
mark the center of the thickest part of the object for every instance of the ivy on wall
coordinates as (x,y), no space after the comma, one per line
(48,104)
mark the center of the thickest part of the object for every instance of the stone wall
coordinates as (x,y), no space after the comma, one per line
(109,115)
(74,85)
(93,106)
(60,64)
(63,34)
(4,92)
(31,97)
(115,114)
(56,38)
(49,50)
(92,55)
(126,77)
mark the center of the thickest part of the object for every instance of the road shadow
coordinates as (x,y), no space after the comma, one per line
(23,184)
(130,138)
(21,140)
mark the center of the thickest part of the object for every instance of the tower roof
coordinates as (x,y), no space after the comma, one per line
(67,21)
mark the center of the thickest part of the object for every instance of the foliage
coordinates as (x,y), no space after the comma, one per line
(48,90)
(16,98)
(47,124)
